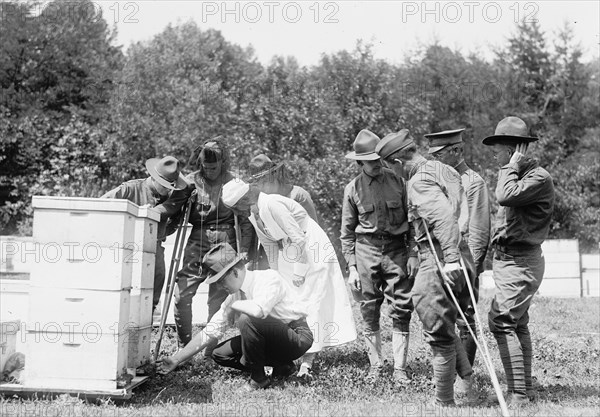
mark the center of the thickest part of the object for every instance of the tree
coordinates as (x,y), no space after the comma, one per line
(56,72)
(182,87)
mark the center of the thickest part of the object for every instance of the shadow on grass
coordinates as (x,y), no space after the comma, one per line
(189,384)
(558,393)
(555,393)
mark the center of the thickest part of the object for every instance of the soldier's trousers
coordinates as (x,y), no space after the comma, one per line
(381,266)
(201,240)
(517,275)
(437,313)
(464,297)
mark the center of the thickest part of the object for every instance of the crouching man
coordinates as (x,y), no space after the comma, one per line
(272,324)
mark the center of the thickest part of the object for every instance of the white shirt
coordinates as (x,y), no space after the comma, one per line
(272,294)
(283,220)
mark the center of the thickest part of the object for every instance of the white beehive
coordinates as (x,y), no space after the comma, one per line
(140,308)
(146,229)
(9,329)
(96,221)
(83,267)
(74,360)
(79,311)
(138,346)
(142,270)
(85,328)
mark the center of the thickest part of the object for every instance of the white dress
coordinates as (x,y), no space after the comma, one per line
(286,232)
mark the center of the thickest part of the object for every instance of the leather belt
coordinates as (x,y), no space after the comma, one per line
(515,249)
(219,226)
(386,236)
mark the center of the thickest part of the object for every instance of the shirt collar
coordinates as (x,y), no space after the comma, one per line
(422,161)
(461,167)
(248,282)
(370,179)
(153,191)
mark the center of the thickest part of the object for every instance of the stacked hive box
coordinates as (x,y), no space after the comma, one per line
(142,288)
(78,334)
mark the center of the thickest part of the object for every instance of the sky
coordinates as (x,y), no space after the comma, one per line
(307,29)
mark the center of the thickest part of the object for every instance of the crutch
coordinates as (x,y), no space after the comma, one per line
(174,268)
(485,352)
(236,225)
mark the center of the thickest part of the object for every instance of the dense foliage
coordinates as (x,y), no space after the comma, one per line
(79,115)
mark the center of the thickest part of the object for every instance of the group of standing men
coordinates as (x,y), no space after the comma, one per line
(437,211)
(413,230)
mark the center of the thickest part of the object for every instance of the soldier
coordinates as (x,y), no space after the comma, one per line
(434,199)
(213,223)
(380,252)
(164,190)
(525,193)
(447,147)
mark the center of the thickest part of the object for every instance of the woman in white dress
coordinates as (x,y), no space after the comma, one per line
(302,253)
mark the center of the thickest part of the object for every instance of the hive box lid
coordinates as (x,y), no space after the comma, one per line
(93,204)
(148,212)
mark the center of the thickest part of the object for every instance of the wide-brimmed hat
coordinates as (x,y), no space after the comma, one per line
(166,172)
(439,140)
(510,130)
(364,146)
(219,260)
(233,191)
(261,166)
(393,142)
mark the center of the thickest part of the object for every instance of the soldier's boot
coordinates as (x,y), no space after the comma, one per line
(525,340)
(511,355)
(400,342)
(464,383)
(444,367)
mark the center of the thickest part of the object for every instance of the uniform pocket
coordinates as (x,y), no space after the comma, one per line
(396,212)
(366,215)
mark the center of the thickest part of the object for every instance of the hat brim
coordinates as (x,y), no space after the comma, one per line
(434,149)
(211,279)
(491,140)
(180,184)
(262,174)
(366,157)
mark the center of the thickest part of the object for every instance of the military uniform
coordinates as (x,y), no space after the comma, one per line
(474,224)
(434,196)
(525,193)
(375,234)
(377,239)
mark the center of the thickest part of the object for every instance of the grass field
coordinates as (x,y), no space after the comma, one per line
(566,338)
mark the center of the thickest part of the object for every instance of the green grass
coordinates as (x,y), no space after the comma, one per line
(566,339)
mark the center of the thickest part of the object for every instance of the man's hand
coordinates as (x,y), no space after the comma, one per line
(519,153)
(244,256)
(298,280)
(354,279)
(166,365)
(412,266)
(451,273)
(230,314)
